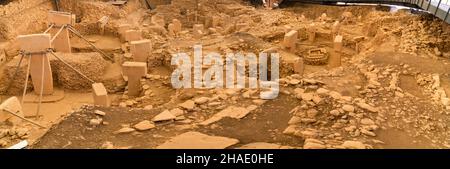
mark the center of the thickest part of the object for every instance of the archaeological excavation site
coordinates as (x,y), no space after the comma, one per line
(224,74)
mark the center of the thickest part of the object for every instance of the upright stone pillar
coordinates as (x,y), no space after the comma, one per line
(198,30)
(335,29)
(102,23)
(36,45)
(121,30)
(100,94)
(311,33)
(335,59)
(133,35)
(177,24)
(171,30)
(140,50)
(62,40)
(290,40)
(337,43)
(215,21)
(134,71)
(299,66)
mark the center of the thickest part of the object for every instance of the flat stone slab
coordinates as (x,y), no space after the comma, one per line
(164,116)
(144,125)
(231,111)
(118,3)
(261,145)
(11,105)
(31,97)
(196,140)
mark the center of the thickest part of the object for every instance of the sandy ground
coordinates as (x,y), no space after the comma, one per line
(384,95)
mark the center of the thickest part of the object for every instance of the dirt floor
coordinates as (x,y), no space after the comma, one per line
(391,90)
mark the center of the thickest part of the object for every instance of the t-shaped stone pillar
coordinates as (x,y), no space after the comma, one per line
(177,24)
(290,40)
(140,50)
(335,59)
(171,29)
(312,33)
(198,30)
(337,44)
(174,27)
(215,21)
(37,45)
(132,35)
(62,41)
(102,23)
(100,95)
(134,71)
(335,29)
(121,30)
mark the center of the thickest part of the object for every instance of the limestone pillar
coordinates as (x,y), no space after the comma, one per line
(140,50)
(134,71)
(37,45)
(62,40)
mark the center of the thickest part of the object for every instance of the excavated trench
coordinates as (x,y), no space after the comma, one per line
(375,42)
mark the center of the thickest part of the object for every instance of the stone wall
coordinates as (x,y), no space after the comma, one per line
(23,17)
(90,64)
(88,12)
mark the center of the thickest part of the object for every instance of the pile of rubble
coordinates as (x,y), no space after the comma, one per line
(9,136)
